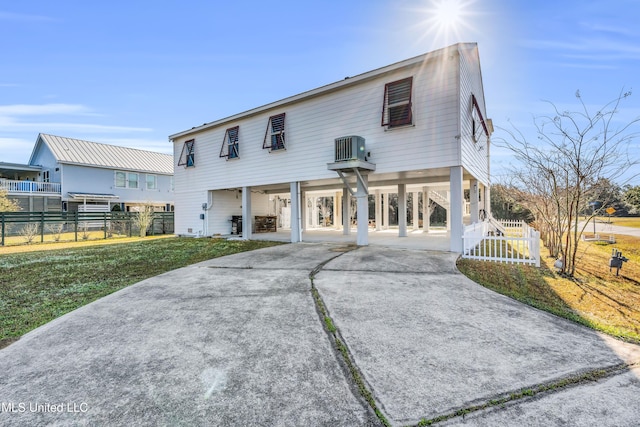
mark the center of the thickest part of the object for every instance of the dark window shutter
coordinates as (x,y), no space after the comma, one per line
(396,108)
(274,136)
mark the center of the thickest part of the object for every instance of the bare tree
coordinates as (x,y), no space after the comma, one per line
(6,204)
(144,218)
(557,174)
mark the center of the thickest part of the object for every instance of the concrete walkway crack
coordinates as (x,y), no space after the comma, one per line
(525,394)
(345,357)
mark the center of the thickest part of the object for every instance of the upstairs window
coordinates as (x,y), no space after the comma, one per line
(274,136)
(187,157)
(45,176)
(478,123)
(396,108)
(230,145)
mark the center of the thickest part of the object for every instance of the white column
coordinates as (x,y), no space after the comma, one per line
(473,198)
(426,213)
(303,210)
(346,212)
(378,209)
(337,218)
(385,211)
(296,211)
(416,211)
(247,220)
(449,211)
(456,204)
(487,200)
(402,210)
(363,212)
(314,212)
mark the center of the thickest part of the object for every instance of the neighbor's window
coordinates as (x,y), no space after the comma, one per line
(45,176)
(121,179)
(126,179)
(274,136)
(132,180)
(396,109)
(230,145)
(187,157)
(152,182)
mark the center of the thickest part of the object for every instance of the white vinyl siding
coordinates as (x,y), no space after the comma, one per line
(313,125)
(474,153)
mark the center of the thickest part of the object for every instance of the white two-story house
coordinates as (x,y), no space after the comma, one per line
(414,131)
(66,174)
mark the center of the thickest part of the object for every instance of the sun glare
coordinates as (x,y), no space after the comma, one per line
(448,13)
(447,21)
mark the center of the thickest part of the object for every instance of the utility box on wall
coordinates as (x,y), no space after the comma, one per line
(350,148)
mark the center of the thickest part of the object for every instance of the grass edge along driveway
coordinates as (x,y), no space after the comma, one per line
(39,286)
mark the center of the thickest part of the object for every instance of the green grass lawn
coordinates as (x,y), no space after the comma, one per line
(595,297)
(38,286)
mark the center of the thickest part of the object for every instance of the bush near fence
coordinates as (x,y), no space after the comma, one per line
(33,227)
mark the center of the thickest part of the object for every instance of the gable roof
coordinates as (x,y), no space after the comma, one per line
(94,154)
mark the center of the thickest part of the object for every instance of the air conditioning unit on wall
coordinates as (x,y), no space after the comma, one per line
(350,148)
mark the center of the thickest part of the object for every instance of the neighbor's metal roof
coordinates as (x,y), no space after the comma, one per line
(79,152)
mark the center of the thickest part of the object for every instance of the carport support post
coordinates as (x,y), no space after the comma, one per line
(346,212)
(378,209)
(362,195)
(296,217)
(402,210)
(246,213)
(385,211)
(426,212)
(416,211)
(473,199)
(337,217)
(455,208)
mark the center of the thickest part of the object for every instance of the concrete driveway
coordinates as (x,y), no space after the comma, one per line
(239,341)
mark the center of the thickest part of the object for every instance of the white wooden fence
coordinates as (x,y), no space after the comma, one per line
(518,243)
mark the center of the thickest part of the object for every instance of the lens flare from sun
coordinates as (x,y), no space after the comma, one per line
(447,20)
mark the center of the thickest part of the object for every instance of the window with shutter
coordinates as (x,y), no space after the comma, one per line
(478,123)
(396,109)
(230,144)
(187,157)
(274,136)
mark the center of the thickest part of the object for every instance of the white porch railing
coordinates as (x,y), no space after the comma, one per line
(519,243)
(29,187)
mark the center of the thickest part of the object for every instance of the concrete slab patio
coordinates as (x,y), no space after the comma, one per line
(238,341)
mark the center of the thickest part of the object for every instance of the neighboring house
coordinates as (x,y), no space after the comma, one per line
(66,174)
(416,128)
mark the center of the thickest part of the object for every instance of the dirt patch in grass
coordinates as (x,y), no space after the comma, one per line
(595,297)
(39,286)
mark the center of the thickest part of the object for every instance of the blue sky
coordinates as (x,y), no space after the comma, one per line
(133,72)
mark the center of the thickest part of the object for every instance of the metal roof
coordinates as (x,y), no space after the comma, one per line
(87,153)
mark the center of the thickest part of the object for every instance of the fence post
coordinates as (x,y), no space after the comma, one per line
(2,228)
(76,224)
(105,225)
(42,227)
